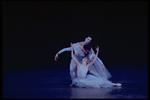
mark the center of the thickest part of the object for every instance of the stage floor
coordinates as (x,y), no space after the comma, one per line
(48,83)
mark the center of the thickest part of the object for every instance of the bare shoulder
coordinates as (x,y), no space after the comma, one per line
(76,43)
(81,43)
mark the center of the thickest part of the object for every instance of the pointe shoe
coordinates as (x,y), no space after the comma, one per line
(118,84)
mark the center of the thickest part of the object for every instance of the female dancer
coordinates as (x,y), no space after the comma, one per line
(84,80)
(87,41)
(97,69)
(83,64)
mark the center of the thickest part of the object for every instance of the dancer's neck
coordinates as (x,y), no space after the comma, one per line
(83,43)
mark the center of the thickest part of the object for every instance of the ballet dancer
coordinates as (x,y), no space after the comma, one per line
(81,50)
(84,80)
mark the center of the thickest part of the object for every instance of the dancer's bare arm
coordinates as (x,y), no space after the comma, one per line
(67,49)
(73,57)
(92,54)
(73,46)
(97,49)
(61,51)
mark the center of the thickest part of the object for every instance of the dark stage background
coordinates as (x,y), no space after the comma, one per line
(34,31)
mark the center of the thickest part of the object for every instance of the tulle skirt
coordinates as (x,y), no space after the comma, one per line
(97,69)
(92,81)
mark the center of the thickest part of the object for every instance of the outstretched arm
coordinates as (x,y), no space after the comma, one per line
(66,49)
(61,51)
(92,54)
(94,58)
(73,57)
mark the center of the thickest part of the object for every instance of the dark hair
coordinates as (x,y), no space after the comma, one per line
(91,43)
(87,47)
(89,36)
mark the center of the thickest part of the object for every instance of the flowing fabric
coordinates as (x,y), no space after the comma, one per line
(96,76)
(90,81)
(95,69)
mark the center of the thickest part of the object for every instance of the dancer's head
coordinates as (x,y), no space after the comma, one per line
(88,39)
(87,48)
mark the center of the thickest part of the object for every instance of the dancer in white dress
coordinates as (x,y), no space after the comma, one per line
(97,69)
(84,80)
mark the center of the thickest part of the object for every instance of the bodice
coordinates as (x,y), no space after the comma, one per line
(81,73)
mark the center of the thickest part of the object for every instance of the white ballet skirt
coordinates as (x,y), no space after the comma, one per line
(95,71)
(91,81)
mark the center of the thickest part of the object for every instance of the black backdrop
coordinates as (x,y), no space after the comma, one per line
(34,31)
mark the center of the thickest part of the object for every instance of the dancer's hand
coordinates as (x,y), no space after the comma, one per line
(56,57)
(76,53)
(97,48)
(103,67)
(71,46)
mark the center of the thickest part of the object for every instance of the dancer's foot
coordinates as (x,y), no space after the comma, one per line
(116,84)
